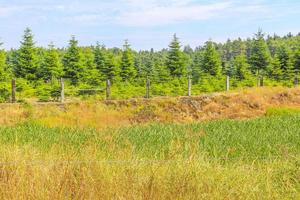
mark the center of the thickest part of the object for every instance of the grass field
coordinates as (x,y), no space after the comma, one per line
(226,159)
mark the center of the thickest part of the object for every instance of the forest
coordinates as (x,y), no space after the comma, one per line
(263,60)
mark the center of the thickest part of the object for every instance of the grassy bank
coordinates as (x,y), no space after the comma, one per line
(227,159)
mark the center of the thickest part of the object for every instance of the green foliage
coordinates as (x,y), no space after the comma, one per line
(105,63)
(241,67)
(26,60)
(211,62)
(4,91)
(276,59)
(51,66)
(285,58)
(3,66)
(260,55)
(297,61)
(73,62)
(175,61)
(275,70)
(127,65)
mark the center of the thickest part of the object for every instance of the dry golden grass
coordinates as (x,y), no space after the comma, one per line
(50,179)
(235,105)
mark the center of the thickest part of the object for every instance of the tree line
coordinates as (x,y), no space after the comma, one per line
(274,59)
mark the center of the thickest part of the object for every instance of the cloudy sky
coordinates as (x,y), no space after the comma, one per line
(146,23)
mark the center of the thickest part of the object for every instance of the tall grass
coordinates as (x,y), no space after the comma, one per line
(227,159)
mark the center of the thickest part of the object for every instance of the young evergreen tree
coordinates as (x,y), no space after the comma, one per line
(259,55)
(127,72)
(51,68)
(73,62)
(241,67)
(26,63)
(297,61)
(91,75)
(286,65)
(275,70)
(111,67)
(175,61)
(211,62)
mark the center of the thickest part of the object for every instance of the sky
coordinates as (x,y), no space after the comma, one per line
(145,23)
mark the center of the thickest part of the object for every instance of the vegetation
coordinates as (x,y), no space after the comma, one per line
(249,159)
(272,60)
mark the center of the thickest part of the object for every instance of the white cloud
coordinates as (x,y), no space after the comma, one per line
(176,11)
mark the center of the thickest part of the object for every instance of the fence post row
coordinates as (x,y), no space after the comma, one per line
(62,90)
(148,88)
(190,86)
(13,91)
(108,84)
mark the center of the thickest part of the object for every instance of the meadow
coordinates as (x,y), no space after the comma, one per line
(224,159)
(237,145)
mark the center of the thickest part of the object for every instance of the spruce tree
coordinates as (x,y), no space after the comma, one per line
(259,54)
(241,67)
(111,68)
(211,62)
(175,61)
(100,59)
(127,63)
(51,68)
(275,70)
(91,75)
(286,65)
(104,60)
(297,61)
(26,63)
(73,62)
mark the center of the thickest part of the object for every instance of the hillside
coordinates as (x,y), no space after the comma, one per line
(100,114)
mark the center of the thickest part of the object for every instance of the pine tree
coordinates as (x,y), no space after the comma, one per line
(259,54)
(297,61)
(175,62)
(127,63)
(211,62)
(26,63)
(241,67)
(285,58)
(51,68)
(91,75)
(104,62)
(111,68)
(73,62)
(275,70)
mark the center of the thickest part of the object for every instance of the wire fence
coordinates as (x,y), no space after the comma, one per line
(62,88)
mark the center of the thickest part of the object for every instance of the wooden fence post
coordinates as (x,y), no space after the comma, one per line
(108,84)
(189,86)
(296,81)
(227,83)
(148,88)
(62,90)
(13,91)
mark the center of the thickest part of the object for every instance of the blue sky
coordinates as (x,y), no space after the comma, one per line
(145,23)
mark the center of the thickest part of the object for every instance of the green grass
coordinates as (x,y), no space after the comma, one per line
(282,111)
(227,159)
(276,136)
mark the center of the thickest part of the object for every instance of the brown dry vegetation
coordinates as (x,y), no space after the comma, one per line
(234,105)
